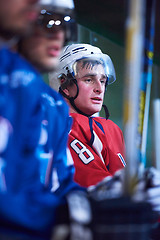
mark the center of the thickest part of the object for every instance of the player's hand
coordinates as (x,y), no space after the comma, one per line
(148,188)
(110,187)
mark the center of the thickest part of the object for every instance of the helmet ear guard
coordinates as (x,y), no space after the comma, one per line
(65,82)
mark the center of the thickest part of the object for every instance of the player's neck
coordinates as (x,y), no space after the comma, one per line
(72,110)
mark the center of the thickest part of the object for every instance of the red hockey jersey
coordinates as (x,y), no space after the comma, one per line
(97,148)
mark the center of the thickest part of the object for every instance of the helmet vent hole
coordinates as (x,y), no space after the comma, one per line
(92,52)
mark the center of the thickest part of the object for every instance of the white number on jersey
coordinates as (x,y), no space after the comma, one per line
(84,154)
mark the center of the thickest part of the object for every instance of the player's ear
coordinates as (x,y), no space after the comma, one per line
(66,91)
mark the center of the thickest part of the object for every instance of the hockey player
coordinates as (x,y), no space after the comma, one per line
(27,206)
(42,48)
(96,144)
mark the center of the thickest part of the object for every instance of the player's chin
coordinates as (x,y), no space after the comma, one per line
(49,65)
(95,109)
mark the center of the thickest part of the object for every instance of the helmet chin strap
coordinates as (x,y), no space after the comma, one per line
(106,111)
(77,109)
(71,99)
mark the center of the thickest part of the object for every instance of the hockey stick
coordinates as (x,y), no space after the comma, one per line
(134,52)
(156,132)
(156,119)
(146,80)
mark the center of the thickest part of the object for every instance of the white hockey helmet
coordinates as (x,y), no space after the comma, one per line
(61,6)
(75,52)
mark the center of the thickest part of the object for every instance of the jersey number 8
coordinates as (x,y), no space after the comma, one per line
(84,154)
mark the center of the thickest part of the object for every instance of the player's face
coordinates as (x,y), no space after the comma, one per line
(91,82)
(17,16)
(42,50)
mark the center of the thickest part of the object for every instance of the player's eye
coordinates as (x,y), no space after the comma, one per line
(103,81)
(88,80)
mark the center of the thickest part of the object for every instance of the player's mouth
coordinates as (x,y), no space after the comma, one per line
(54,51)
(96,100)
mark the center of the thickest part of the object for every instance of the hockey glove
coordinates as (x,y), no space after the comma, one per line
(148,188)
(110,187)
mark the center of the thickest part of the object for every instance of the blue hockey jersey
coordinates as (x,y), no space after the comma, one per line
(26,109)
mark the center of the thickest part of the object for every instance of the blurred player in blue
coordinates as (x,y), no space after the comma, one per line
(25,203)
(42,48)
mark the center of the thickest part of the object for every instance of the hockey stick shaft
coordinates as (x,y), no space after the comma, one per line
(146,80)
(133,69)
(156,119)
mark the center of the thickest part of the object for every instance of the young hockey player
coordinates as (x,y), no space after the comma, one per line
(96,143)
